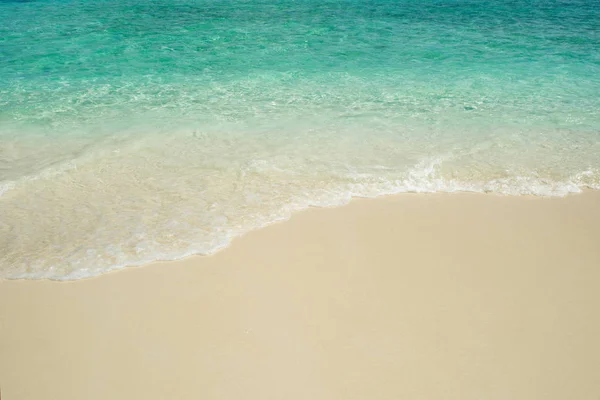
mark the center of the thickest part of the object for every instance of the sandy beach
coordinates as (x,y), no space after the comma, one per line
(462,296)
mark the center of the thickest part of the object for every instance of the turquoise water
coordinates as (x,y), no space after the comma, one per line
(135,130)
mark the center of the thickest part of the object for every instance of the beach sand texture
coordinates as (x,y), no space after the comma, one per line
(462,296)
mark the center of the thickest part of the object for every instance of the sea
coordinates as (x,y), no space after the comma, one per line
(142,130)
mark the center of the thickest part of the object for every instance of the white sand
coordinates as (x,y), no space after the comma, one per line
(407,297)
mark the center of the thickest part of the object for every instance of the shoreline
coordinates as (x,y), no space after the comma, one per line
(461,295)
(293,214)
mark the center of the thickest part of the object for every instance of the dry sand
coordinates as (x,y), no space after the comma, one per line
(407,297)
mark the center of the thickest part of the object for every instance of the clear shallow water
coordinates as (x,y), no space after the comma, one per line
(139,130)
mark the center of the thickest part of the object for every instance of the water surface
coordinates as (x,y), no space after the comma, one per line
(135,130)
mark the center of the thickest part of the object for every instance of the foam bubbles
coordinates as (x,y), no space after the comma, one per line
(163,197)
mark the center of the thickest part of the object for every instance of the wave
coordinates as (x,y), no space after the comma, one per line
(103,249)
